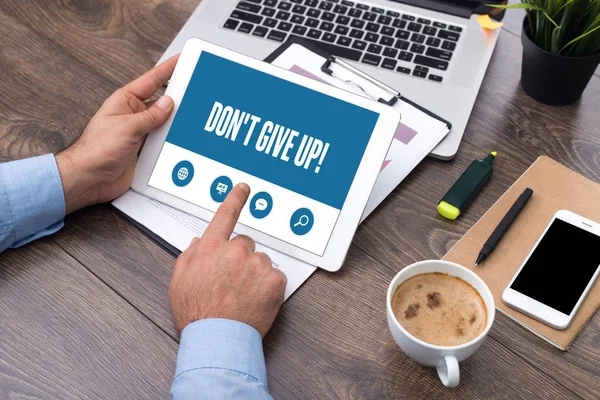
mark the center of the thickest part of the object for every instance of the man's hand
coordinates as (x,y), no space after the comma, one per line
(221,278)
(100,165)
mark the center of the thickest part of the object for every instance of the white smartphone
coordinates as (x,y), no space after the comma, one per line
(559,271)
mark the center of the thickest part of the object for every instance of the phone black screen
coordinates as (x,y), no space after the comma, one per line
(560,267)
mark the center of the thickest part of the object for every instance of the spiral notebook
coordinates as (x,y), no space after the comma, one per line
(555,187)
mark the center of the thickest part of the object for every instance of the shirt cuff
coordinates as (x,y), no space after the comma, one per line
(222,343)
(34,196)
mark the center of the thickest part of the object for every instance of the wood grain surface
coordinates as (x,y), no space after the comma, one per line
(89,305)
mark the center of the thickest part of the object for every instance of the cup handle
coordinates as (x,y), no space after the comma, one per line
(448,371)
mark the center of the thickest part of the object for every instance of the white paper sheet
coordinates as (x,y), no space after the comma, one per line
(178,229)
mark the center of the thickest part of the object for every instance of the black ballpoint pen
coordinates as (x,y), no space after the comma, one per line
(504,225)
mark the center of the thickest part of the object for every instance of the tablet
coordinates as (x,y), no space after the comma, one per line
(310,152)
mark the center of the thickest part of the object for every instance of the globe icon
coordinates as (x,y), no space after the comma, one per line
(183,173)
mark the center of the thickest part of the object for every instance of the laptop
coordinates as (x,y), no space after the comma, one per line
(432,51)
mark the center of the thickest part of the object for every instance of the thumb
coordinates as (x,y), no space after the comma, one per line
(153,117)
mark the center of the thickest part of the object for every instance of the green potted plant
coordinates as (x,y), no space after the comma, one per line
(561,48)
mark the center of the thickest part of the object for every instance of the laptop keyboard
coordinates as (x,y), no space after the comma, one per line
(384,38)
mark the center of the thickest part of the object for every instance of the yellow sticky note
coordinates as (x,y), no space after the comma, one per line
(487,23)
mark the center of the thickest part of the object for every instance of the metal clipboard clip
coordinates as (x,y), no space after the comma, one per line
(326,68)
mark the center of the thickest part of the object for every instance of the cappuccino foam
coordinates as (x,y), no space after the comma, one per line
(440,309)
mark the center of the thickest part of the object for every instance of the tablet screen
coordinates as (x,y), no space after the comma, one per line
(297,148)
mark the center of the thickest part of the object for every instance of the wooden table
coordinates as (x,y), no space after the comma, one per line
(85,314)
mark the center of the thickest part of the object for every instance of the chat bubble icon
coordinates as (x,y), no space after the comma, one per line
(261,204)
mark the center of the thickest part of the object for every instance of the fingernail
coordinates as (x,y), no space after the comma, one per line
(164,102)
(244,187)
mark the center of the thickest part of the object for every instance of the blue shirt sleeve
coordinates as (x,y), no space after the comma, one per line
(32,201)
(220,359)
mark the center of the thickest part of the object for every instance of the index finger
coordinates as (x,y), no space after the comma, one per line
(147,84)
(222,225)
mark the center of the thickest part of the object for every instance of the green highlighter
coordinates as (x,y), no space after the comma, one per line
(466,187)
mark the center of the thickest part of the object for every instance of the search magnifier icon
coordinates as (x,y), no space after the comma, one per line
(302,221)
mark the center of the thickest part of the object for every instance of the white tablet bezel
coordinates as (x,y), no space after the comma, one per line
(366,175)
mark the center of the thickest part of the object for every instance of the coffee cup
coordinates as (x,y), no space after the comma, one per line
(444,358)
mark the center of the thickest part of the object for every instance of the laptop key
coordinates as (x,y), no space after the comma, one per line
(374,48)
(244,16)
(398,23)
(312,23)
(389,63)
(428,30)
(313,13)
(448,45)
(299,9)
(417,48)
(299,30)
(311,3)
(393,14)
(246,27)
(447,35)
(405,56)
(342,20)
(434,42)
(297,19)
(347,3)
(439,25)
(313,33)
(389,52)
(400,34)
(357,23)
(371,59)
(245,6)
(276,35)
(408,17)
(270,22)
(403,70)
(340,9)
(401,44)
(369,16)
(231,24)
(355,13)
(362,6)
(371,27)
(283,15)
(384,20)
(329,37)
(342,30)
(359,45)
(455,28)
(269,12)
(356,34)
(414,27)
(326,26)
(327,16)
(437,53)
(260,31)
(387,41)
(344,41)
(270,3)
(419,73)
(417,38)
(424,21)
(377,10)
(372,37)
(386,30)
(435,78)
(325,5)
(284,6)
(431,62)
(284,26)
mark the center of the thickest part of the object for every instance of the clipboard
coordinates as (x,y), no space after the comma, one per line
(331,60)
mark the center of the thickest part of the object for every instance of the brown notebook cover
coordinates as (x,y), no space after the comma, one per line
(555,187)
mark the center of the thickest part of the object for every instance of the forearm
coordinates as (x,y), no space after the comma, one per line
(220,359)
(32,201)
